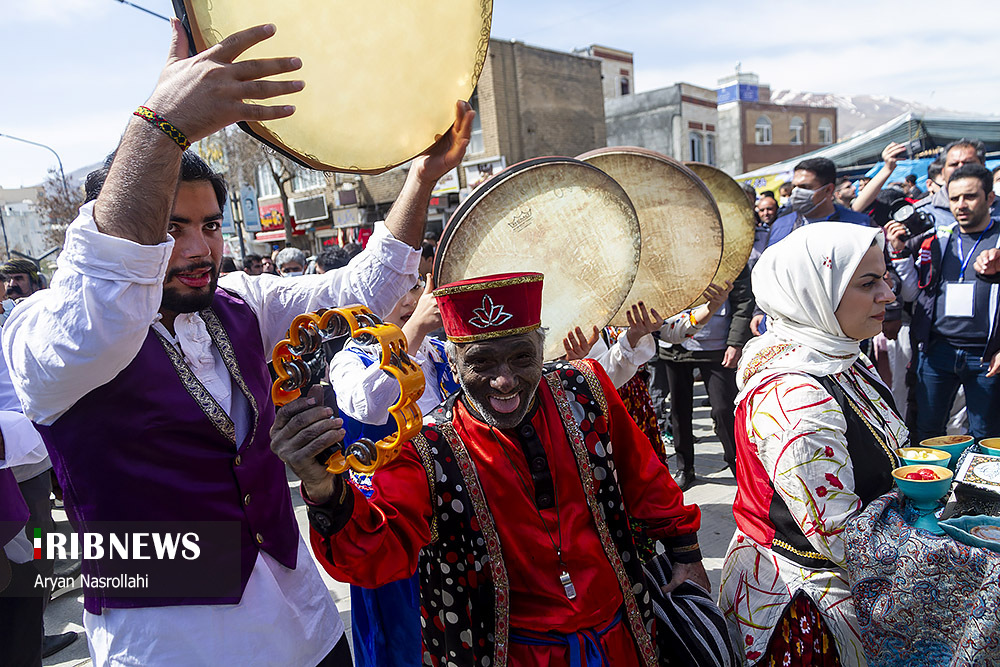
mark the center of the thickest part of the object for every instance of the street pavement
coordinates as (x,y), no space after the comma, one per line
(714,493)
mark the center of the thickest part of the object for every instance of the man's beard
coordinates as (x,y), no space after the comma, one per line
(495,419)
(188,300)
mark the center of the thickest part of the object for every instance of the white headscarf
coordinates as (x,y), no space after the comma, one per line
(799,283)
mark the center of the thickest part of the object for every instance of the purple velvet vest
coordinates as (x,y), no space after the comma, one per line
(13,510)
(153,445)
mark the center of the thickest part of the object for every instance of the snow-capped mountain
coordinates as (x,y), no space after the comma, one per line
(855,113)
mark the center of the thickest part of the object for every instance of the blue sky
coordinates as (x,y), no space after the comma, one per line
(73,70)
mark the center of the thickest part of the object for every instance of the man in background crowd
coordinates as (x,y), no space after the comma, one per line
(291,262)
(253,265)
(844,192)
(955,155)
(953,312)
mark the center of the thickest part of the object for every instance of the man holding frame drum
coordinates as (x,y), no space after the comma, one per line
(150,387)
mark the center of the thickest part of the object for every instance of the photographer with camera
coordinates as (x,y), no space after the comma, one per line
(954,313)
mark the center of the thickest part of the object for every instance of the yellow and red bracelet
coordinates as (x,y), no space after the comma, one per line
(168,129)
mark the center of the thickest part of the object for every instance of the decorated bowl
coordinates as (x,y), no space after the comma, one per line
(923,483)
(923,456)
(953,444)
(990,446)
(976,531)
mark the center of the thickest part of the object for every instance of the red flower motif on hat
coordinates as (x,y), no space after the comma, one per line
(828,262)
(489,315)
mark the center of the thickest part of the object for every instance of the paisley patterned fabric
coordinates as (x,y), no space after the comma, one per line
(921,600)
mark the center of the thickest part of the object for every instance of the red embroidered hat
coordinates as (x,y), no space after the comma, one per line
(505,304)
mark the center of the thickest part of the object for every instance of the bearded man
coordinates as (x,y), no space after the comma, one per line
(515,496)
(149,383)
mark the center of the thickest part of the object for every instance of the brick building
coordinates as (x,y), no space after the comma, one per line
(754,133)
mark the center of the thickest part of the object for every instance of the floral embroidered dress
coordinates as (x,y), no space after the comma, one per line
(793,428)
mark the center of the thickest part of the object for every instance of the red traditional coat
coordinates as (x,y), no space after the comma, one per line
(382,538)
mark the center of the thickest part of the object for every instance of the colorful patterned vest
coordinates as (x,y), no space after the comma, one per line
(464,591)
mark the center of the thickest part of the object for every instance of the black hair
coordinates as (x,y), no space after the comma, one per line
(976,171)
(841,181)
(974,144)
(911,179)
(825,170)
(934,169)
(26,266)
(333,258)
(430,236)
(352,249)
(193,168)
(426,250)
(767,193)
(228,265)
(250,258)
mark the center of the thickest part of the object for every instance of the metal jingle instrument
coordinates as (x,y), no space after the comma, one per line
(299,362)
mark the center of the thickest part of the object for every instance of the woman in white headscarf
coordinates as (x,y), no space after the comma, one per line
(816,434)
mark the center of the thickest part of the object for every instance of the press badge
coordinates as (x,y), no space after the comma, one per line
(959,299)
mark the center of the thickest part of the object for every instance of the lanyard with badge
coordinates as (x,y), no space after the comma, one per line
(959,297)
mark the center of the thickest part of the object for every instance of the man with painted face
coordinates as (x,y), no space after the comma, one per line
(514,497)
(150,386)
(812,200)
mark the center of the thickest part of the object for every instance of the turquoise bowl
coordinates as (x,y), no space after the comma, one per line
(911,456)
(976,531)
(990,446)
(953,444)
(924,494)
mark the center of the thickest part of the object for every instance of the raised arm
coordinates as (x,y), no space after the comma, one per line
(197,95)
(63,342)
(865,198)
(408,215)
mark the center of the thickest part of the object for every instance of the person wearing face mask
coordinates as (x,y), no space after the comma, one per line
(291,262)
(812,200)
(816,431)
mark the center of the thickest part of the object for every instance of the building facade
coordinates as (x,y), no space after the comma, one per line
(754,133)
(679,121)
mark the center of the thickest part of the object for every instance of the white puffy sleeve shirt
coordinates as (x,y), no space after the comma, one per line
(65,341)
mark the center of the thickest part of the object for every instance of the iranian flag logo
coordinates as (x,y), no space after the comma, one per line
(38,543)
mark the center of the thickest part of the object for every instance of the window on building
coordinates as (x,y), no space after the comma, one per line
(710,149)
(694,141)
(797,129)
(307,179)
(825,131)
(624,85)
(476,142)
(762,131)
(266,187)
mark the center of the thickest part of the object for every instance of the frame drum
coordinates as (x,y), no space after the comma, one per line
(560,217)
(738,222)
(374,98)
(681,228)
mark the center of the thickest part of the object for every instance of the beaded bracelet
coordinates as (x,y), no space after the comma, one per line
(156,119)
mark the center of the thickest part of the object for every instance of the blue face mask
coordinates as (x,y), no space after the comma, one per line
(291,274)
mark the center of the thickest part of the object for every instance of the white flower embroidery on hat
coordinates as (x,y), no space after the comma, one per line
(489,315)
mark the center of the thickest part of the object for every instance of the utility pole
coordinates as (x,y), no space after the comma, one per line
(62,174)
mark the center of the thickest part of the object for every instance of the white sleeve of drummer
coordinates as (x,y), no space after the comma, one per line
(377,277)
(363,393)
(621,360)
(65,341)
